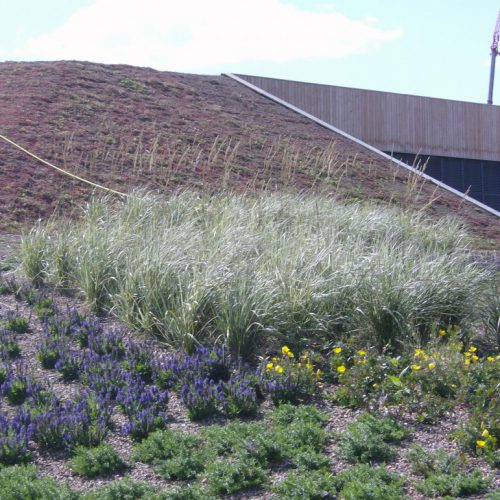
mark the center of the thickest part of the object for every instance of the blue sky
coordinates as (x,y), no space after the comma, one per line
(437,48)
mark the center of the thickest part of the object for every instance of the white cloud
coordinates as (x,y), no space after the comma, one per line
(194,35)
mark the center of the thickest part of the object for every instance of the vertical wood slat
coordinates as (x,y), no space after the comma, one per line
(397,122)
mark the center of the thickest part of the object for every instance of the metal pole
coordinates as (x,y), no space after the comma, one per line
(492,75)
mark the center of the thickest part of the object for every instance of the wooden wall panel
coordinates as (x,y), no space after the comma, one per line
(397,122)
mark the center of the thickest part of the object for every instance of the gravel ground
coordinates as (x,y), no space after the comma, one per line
(55,464)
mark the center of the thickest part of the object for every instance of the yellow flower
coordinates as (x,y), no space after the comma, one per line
(309,366)
(415,367)
(269,366)
(485,433)
(442,332)
(480,443)
(285,349)
(361,353)
(279,369)
(472,348)
(341,369)
(490,358)
(468,354)
(474,357)
(318,374)
(289,354)
(274,358)
(337,350)
(419,353)
(467,362)
(431,366)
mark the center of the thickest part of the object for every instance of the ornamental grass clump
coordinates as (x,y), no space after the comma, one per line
(246,270)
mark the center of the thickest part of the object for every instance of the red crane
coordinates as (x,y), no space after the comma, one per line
(494,53)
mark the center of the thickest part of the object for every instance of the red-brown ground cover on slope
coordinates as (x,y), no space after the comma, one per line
(127,127)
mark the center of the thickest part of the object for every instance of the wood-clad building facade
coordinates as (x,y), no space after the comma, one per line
(460,140)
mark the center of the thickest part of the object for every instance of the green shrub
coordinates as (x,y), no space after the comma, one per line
(44,306)
(16,324)
(98,461)
(299,432)
(368,483)
(444,474)
(165,444)
(287,414)
(493,495)
(368,439)
(251,439)
(8,284)
(17,391)
(125,489)
(229,476)
(20,482)
(185,464)
(288,380)
(425,462)
(306,485)
(455,485)
(361,376)
(308,459)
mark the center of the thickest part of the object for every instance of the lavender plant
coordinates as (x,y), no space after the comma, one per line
(15,434)
(84,421)
(144,405)
(14,322)
(9,348)
(200,398)
(238,397)
(107,342)
(19,385)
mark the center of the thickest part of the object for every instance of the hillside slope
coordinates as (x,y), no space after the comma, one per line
(125,126)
